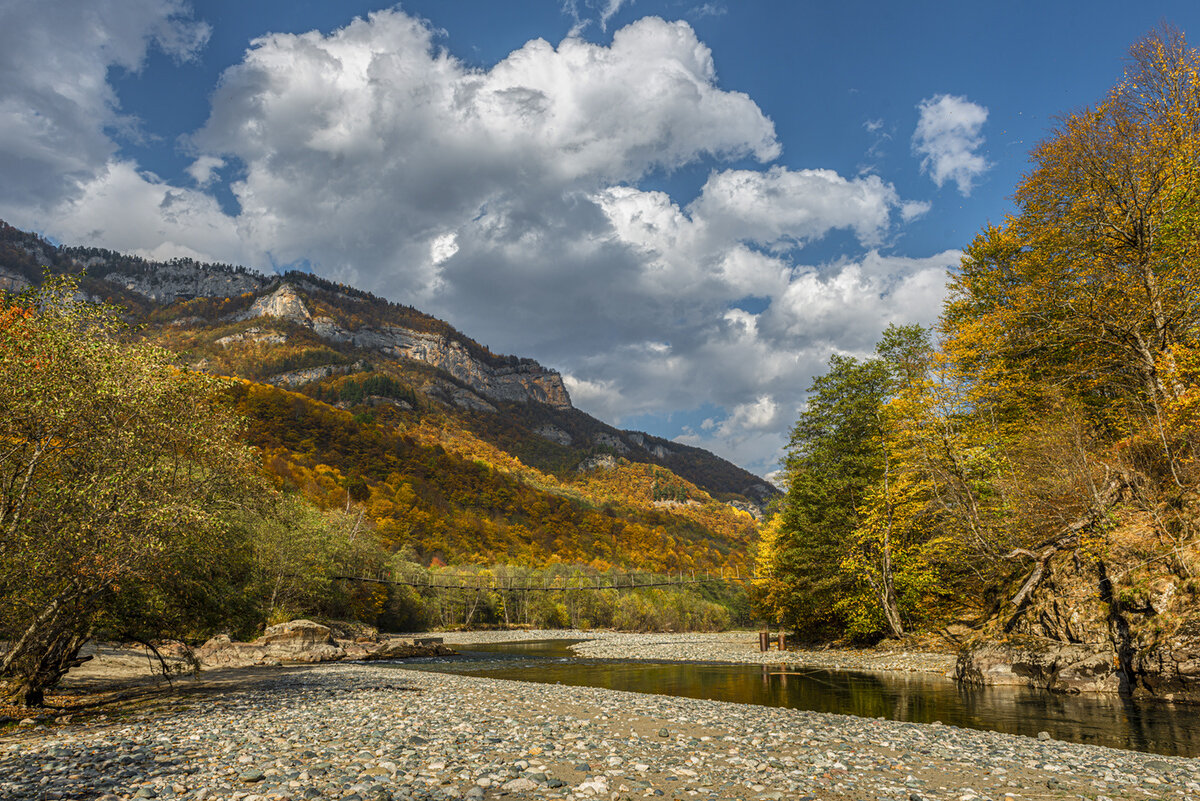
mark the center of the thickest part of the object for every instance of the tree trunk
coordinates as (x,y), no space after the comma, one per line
(887,589)
(36,673)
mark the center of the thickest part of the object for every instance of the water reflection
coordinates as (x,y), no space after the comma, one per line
(921,698)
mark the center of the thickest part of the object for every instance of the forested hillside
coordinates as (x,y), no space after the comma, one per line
(1029,467)
(389,444)
(190,449)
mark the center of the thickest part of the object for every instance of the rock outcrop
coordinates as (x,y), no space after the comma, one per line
(554,434)
(167,283)
(1074,633)
(601,461)
(1170,669)
(302,642)
(253,335)
(11,282)
(519,383)
(297,378)
(1023,661)
(656,449)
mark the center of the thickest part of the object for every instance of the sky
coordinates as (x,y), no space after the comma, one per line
(685,207)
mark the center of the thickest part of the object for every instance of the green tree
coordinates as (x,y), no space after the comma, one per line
(834,459)
(119,476)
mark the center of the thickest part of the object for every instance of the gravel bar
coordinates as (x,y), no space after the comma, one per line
(360,732)
(739,647)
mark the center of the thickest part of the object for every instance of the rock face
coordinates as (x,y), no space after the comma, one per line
(11,282)
(303,641)
(1171,669)
(754,510)
(605,440)
(554,434)
(1033,662)
(655,448)
(1075,634)
(296,378)
(169,282)
(520,383)
(601,461)
(252,335)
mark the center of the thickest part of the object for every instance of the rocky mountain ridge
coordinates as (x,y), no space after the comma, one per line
(303,333)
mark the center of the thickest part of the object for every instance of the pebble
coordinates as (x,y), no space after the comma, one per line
(725,646)
(357,732)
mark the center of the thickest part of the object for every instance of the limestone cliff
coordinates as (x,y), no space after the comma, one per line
(520,383)
(170,282)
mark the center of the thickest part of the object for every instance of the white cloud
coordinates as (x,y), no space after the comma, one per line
(204,169)
(373,135)
(141,214)
(759,415)
(443,247)
(948,137)
(56,104)
(782,205)
(611,7)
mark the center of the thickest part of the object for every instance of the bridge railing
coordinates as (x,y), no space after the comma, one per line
(488,579)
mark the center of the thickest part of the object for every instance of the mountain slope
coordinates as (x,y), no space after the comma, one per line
(457,453)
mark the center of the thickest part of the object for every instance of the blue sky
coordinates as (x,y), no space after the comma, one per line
(685,207)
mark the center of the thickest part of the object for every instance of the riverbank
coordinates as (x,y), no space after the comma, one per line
(740,647)
(351,731)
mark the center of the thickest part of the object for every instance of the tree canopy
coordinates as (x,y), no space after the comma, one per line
(1055,413)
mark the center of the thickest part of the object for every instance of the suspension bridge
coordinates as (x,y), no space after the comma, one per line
(605,581)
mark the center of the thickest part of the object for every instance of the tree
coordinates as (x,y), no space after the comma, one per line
(297,553)
(834,459)
(119,476)
(1091,285)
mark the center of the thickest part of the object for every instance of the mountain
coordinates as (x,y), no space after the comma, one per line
(456,452)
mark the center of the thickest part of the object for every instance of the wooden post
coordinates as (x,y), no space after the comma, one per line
(782,642)
(764,641)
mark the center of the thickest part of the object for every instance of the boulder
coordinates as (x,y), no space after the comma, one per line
(395,648)
(298,637)
(303,641)
(1033,662)
(297,641)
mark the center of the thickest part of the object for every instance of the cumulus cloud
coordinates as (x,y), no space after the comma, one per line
(141,214)
(204,169)
(374,135)
(948,137)
(57,107)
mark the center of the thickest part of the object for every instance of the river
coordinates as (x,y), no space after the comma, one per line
(1152,726)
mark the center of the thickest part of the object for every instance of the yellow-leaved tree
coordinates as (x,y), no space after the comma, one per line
(119,478)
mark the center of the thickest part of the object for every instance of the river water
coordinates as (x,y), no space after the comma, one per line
(1152,726)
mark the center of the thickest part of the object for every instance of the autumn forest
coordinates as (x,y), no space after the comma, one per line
(188,448)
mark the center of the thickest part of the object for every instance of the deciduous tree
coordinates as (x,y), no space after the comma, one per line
(116,469)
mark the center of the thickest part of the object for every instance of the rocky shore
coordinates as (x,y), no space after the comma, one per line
(727,646)
(361,732)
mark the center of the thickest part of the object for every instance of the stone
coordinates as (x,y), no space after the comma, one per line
(295,641)
(519,785)
(1026,661)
